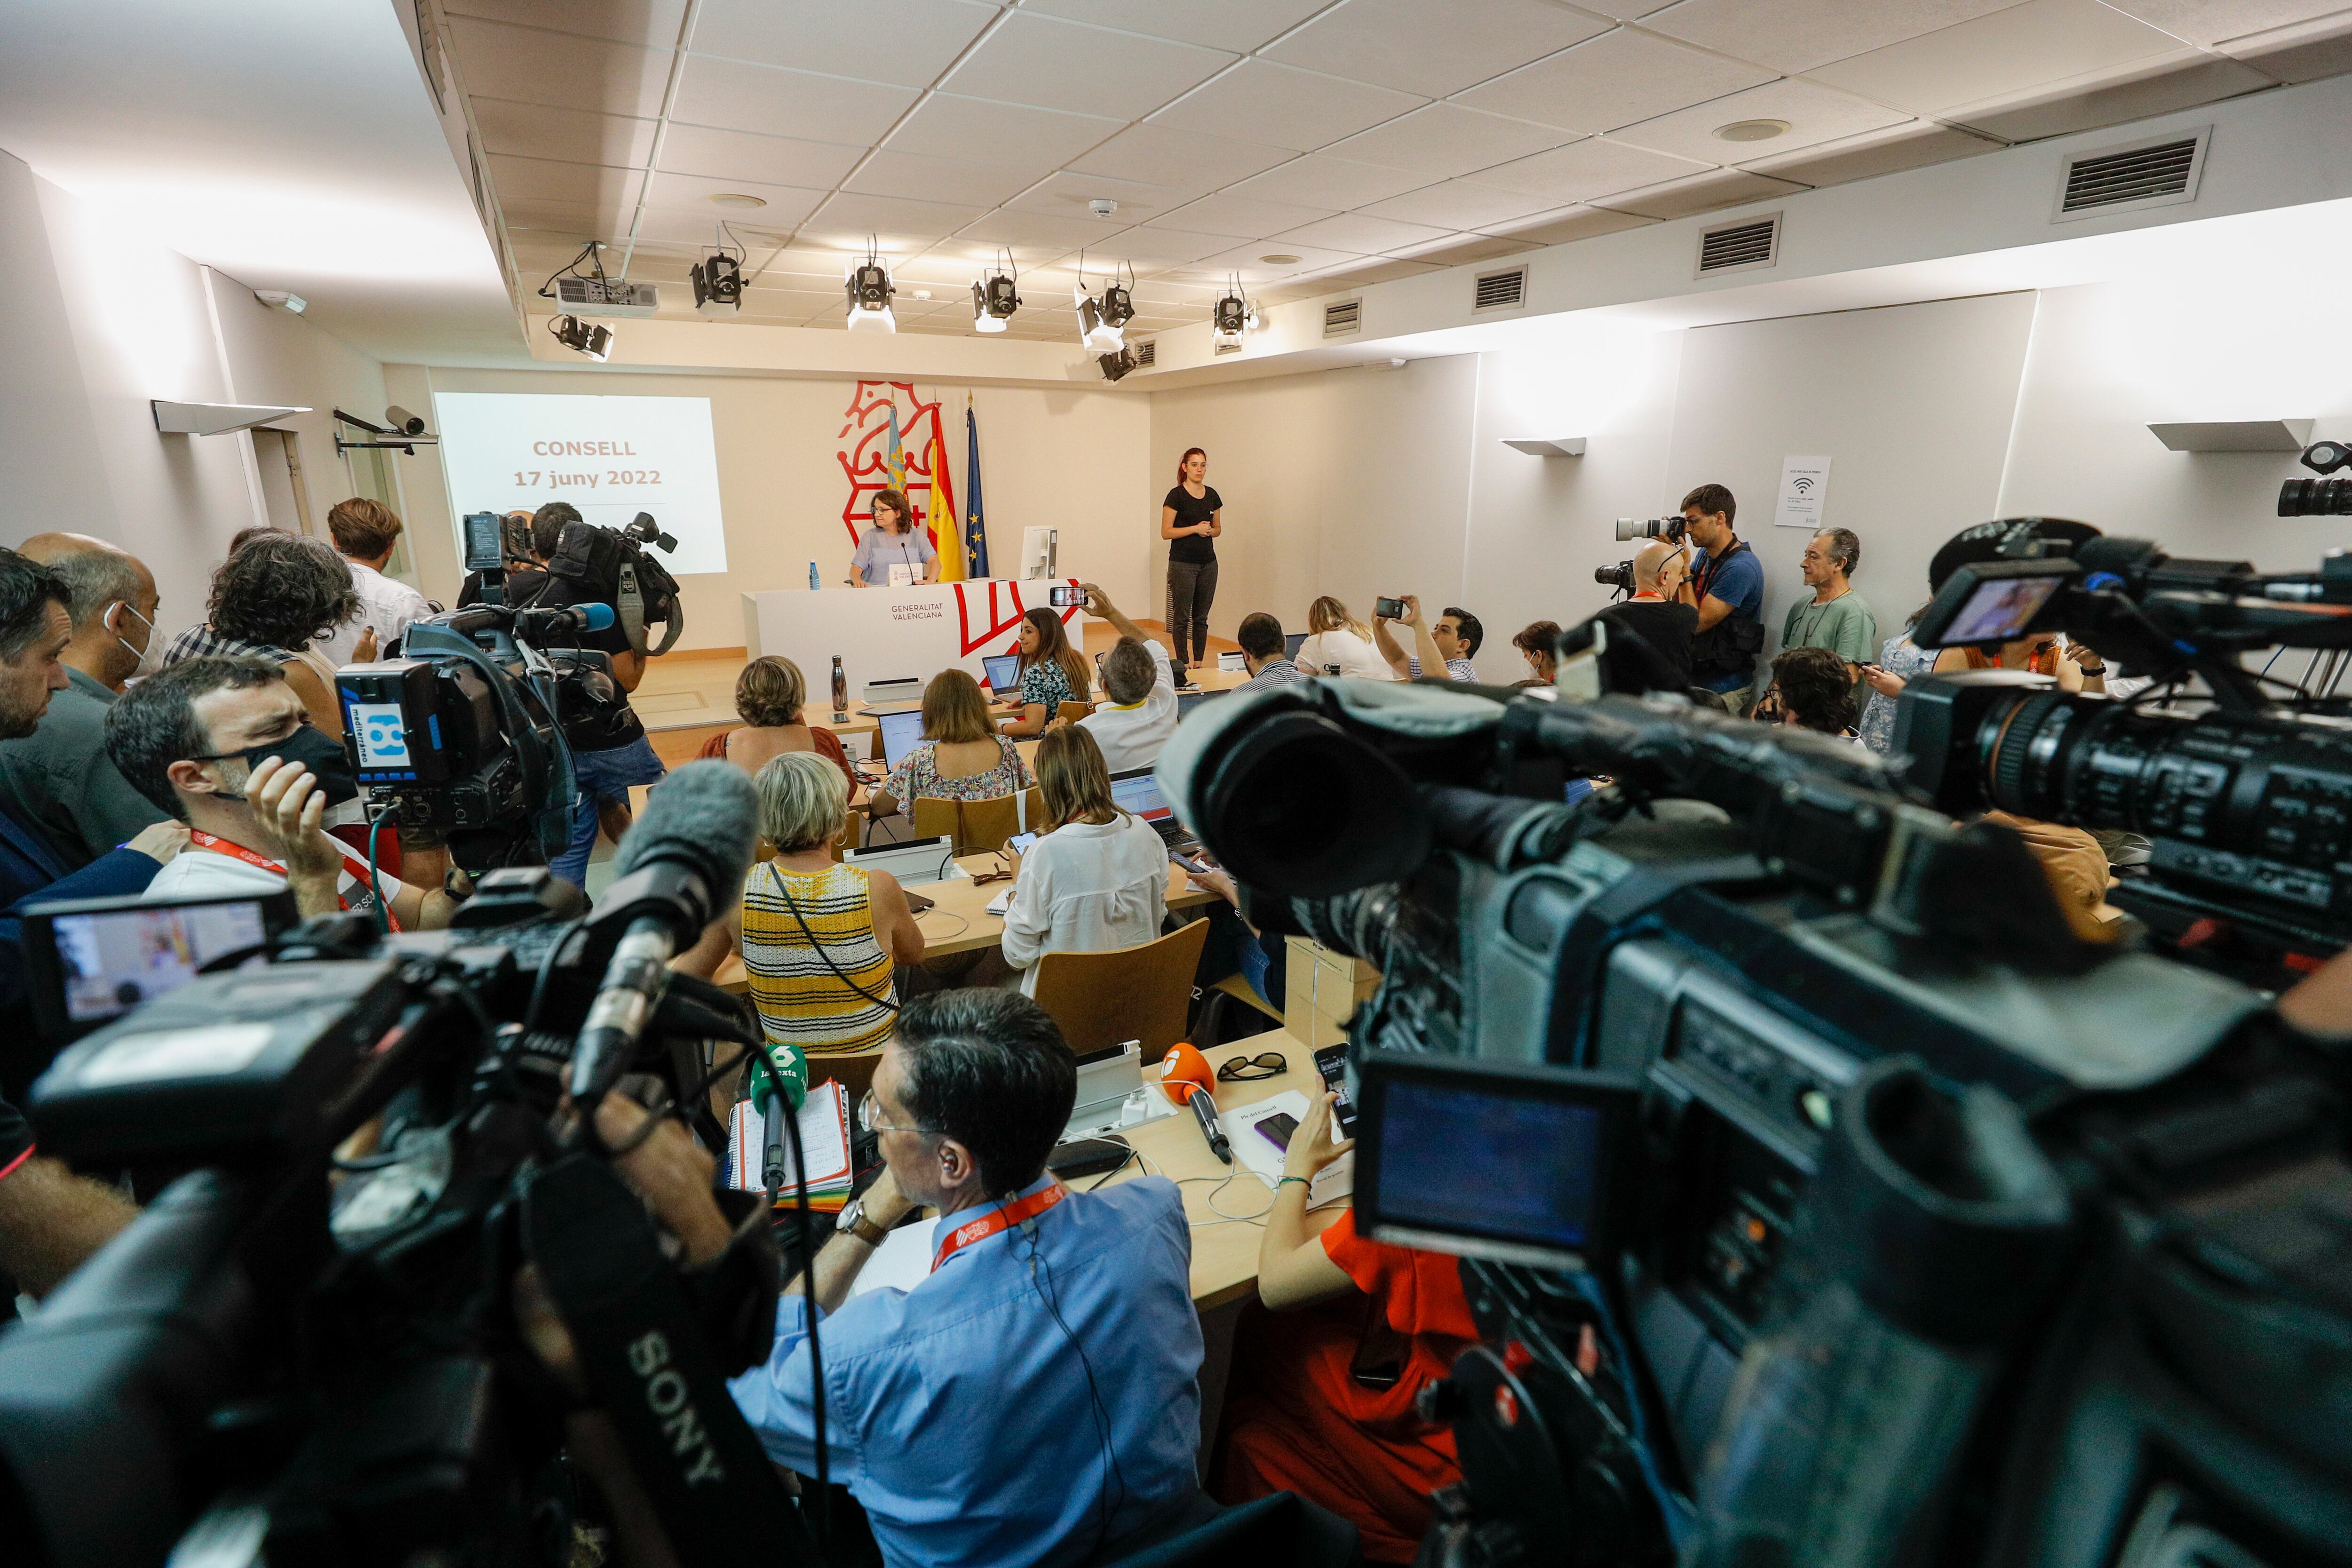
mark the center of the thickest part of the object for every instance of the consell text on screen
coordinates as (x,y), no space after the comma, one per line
(582,449)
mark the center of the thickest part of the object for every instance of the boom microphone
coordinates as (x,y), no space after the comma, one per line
(678,866)
(534,624)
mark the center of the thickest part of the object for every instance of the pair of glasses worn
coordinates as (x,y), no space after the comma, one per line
(870,1117)
(1249,1069)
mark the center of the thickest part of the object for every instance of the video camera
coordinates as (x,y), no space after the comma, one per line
(1913,1228)
(610,565)
(306,1348)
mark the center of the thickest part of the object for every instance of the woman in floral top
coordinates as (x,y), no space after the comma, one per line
(1052,672)
(960,757)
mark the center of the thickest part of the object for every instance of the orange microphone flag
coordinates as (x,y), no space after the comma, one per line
(1183,1070)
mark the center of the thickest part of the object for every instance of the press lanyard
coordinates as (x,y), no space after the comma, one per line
(1715,563)
(219,845)
(1002,1218)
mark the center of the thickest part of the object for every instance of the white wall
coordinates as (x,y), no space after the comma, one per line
(1073,459)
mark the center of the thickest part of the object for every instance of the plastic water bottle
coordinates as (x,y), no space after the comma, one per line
(814,582)
(840,688)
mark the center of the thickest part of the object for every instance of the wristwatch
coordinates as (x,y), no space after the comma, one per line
(853,1222)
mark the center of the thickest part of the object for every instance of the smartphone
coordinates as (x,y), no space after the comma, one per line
(1085,1156)
(1276,1129)
(1332,1066)
(1066,598)
(1022,842)
(1196,867)
(1388,609)
(916,903)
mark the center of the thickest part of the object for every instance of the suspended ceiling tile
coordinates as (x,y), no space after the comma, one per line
(1867,156)
(1570,223)
(1459,203)
(545,226)
(1260,101)
(1415,46)
(1241,217)
(1463,249)
(2178,80)
(652,22)
(1248,260)
(1813,115)
(2009,51)
(1615,80)
(1181,160)
(1163,247)
(547,180)
(1798,35)
(1067,194)
(924,178)
(1385,272)
(2305,52)
(785,207)
(536,130)
(855,215)
(1585,170)
(906,42)
(1707,192)
(678,226)
(1366,235)
(769,159)
(1318,180)
(1447,138)
(1239,26)
(2210,22)
(948,126)
(524,64)
(772,102)
(1041,229)
(1049,63)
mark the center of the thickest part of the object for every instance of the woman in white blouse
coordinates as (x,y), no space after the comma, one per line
(1098,878)
(1335,639)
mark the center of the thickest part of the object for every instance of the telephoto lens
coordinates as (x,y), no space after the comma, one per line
(2316,498)
(1620,576)
(1667,527)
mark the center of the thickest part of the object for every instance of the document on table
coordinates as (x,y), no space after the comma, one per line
(902,1262)
(824,1143)
(1261,1157)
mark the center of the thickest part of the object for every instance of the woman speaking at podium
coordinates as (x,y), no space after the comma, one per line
(894,552)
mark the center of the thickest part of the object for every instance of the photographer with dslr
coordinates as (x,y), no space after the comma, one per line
(1658,616)
(1727,588)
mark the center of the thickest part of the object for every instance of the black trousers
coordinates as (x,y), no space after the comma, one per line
(1192,588)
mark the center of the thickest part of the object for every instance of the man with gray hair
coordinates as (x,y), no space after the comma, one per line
(1835,618)
(1140,716)
(59,777)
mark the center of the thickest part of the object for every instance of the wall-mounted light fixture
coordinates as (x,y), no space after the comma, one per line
(215,418)
(1547,446)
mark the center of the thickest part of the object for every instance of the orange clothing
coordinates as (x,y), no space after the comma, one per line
(1298,1420)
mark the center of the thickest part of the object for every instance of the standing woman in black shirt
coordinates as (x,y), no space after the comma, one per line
(1190,517)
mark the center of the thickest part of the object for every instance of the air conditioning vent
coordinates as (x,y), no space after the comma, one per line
(1740,246)
(1226,349)
(1500,291)
(2143,175)
(1147,353)
(1342,319)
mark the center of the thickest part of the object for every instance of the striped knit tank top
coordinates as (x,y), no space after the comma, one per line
(803,1001)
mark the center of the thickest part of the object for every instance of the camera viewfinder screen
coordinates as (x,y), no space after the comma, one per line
(1525,1169)
(115,961)
(2000,609)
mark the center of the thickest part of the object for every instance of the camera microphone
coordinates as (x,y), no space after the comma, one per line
(682,860)
(532,624)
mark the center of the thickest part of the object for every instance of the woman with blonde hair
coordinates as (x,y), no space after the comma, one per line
(960,756)
(1053,672)
(893,544)
(771,696)
(1097,880)
(1339,643)
(820,940)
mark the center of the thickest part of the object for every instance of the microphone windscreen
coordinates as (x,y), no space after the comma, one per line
(1183,1070)
(705,815)
(600,615)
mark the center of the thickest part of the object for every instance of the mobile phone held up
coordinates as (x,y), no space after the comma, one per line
(1388,609)
(1066,598)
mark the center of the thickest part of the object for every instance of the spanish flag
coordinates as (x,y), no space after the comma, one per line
(940,517)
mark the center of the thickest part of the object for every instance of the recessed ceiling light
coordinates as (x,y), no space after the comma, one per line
(1751,130)
(740,199)
(1279,260)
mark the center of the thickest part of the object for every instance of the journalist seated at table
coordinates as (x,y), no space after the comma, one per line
(1097,880)
(771,696)
(960,756)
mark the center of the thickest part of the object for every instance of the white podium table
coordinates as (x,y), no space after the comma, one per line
(885,634)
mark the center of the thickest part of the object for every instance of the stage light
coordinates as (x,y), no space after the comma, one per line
(1118,303)
(718,285)
(1093,332)
(996,297)
(1229,318)
(590,338)
(869,290)
(1117,366)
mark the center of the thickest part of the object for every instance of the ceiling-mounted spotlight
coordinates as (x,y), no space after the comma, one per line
(996,297)
(1229,318)
(1117,366)
(279,300)
(1118,303)
(869,292)
(718,280)
(1096,328)
(590,338)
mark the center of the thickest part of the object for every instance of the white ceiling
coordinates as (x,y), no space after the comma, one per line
(1366,139)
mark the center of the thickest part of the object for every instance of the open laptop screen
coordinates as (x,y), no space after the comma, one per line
(1003,670)
(1291,643)
(1138,792)
(900,734)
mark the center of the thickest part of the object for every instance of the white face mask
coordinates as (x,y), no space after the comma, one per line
(150,657)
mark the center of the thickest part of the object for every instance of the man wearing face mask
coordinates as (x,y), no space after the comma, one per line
(204,735)
(59,778)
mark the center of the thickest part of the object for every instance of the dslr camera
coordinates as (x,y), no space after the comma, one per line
(1621,576)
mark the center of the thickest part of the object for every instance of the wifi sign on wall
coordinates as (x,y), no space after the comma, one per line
(1804,492)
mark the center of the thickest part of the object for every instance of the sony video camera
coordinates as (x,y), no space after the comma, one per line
(1909,1226)
(610,565)
(307,1348)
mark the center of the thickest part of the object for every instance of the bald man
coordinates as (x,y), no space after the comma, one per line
(59,777)
(1660,620)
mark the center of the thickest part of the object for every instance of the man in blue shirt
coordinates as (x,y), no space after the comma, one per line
(1036,1398)
(1726,586)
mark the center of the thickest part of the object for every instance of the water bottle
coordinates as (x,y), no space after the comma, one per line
(814,582)
(840,689)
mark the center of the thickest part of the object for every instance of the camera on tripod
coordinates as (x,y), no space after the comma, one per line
(2319,497)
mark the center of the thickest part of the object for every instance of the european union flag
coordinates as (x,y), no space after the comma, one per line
(975,531)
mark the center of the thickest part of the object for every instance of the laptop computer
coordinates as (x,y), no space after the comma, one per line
(1004,673)
(1137,792)
(901,733)
(1291,641)
(1191,696)
(914,862)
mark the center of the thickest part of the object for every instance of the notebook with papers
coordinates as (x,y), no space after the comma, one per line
(824,1143)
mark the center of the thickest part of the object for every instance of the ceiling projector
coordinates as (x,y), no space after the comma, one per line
(599,296)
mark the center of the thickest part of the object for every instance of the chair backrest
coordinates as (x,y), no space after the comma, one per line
(1126,993)
(1282,1528)
(1074,712)
(976,825)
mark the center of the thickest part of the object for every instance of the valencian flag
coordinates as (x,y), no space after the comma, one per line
(975,532)
(897,460)
(940,516)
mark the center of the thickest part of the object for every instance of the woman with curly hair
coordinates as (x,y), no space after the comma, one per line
(272,599)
